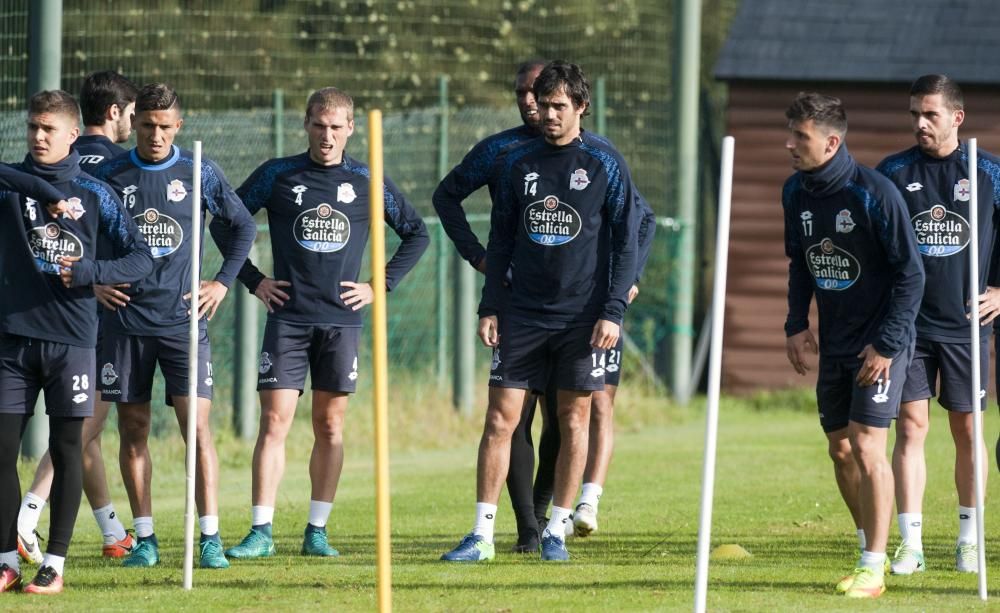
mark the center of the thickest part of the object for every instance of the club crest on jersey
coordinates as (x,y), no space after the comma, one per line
(844,222)
(108,374)
(50,242)
(323,229)
(940,232)
(551,222)
(176,191)
(963,190)
(163,233)
(579,179)
(298,190)
(345,193)
(265,363)
(833,268)
(75,211)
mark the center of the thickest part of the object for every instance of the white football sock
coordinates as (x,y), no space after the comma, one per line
(56,562)
(486,516)
(209,524)
(260,515)
(143,526)
(873,561)
(967,525)
(319,512)
(911,529)
(111,527)
(30,512)
(557,523)
(11,559)
(591,494)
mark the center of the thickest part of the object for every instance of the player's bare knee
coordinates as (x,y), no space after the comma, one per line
(500,423)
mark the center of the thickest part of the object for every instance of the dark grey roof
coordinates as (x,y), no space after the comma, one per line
(863,40)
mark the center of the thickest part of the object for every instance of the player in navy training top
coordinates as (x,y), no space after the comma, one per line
(933,178)
(318,213)
(155,182)
(564,220)
(48,321)
(850,244)
(107,101)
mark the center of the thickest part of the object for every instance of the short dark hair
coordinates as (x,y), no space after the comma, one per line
(930,84)
(156,97)
(823,110)
(529,65)
(100,91)
(328,99)
(55,101)
(563,75)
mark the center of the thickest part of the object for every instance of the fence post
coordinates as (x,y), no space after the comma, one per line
(601,107)
(279,123)
(44,72)
(246,348)
(443,250)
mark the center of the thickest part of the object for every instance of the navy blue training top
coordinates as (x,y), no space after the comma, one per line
(95,149)
(849,242)
(36,304)
(158,197)
(564,221)
(319,221)
(937,195)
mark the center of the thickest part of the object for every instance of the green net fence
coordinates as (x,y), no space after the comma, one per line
(227,58)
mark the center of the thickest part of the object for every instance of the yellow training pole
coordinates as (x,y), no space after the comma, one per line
(381,369)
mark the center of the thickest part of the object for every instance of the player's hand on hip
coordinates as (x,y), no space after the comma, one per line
(66,269)
(210,295)
(798,346)
(489,331)
(989,305)
(56,209)
(358,295)
(874,368)
(269,292)
(110,297)
(632,293)
(605,335)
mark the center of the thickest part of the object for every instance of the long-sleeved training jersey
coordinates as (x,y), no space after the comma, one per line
(564,221)
(95,149)
(36,304)
(937,195)
(849,241)
(319,222)
(158,197)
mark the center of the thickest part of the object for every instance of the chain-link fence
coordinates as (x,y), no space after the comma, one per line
(227,58)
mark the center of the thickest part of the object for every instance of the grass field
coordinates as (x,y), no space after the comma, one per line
(775,495)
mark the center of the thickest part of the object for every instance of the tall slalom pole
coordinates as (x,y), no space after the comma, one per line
(192,417)
(714,373)
(977,410)
(381,371)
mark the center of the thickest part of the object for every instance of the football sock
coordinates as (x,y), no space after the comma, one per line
(873,561)
(30,512)
(11,559)
(260,515)
(319,512)
(910,529)
(486,515)
(110,526)
(209,524)
(591,494)
(56,562)
(557,523)
(966,525)
(143,527)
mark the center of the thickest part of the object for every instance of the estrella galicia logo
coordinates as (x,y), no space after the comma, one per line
(323,229)
(832,267)
(163,233)
(49,243)
(551,222)
(940,232)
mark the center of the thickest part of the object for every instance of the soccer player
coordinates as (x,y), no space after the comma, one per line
(107,100)
(564,223)
(933,178)
(317,209)
(849,243)
(155,182)
(48,322)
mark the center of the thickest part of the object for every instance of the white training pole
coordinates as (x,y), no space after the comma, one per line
(977,412)
(714,373)
(192,418)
